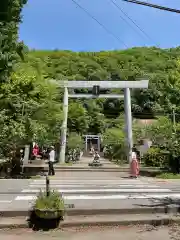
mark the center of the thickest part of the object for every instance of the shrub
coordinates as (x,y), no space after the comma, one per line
(53,202)
(48,211)
(74,141)
(113,141)
(168,176)
(155,157)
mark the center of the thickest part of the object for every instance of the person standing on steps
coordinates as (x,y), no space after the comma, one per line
(51,161)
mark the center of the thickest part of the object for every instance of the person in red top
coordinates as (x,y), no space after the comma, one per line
(35,151)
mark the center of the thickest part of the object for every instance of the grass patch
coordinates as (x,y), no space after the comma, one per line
(119,162)
(35,177)
(168,176)
(66,164)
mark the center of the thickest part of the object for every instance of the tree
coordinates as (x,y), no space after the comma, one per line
(113,141)
(74,141)
(29,111)
(157,65)
(158,131)
(78,119)
(9,47)
(96,118)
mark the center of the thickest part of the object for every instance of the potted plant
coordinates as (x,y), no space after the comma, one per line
(48,210)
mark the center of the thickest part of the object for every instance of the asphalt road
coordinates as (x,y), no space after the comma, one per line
(89,194)
(90,190)
(9,189)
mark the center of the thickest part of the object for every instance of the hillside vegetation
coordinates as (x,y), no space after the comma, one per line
(161,67)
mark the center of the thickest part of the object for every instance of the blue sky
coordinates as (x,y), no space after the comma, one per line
(60,24)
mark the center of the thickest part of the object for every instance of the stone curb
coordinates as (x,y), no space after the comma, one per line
(151,221)
(90,212)
(155,221)
(14,213)
(22,224)
(129,211)
(90,167)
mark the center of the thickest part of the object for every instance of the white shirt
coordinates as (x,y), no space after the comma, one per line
(52,156)
(133,156)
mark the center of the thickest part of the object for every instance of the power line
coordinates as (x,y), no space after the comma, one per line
(123,17)
(154,6)
(104,27)
(123,12)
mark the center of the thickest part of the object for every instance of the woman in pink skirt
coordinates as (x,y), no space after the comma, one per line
(134,165)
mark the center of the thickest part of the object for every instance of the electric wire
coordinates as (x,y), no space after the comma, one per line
(125,19)
(96,20)
(154,6)
(135,24)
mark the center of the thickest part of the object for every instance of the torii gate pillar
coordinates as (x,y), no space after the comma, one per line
(128,121)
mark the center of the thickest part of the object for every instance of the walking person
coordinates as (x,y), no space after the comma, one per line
(134,165)
(51,161)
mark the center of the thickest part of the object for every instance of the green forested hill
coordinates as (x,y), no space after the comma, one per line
(160,66)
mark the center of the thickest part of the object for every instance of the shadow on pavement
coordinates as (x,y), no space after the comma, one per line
(167,203)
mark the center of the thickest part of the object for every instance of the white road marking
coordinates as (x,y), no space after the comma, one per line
(110,190)
(93,185)
(5,201)
(91,197)
(89,181)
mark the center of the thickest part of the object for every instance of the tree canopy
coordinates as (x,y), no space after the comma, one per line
(160,66)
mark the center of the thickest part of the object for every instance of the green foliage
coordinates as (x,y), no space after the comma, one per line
(29,109)
(166,143)
(113,141)
(158,65)
(161,130)
(9,48)
(78,120)
(74,141)
(155,157)
(53,202)
(158,131)
(168,176)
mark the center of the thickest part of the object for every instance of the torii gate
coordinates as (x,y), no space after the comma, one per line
(96,86)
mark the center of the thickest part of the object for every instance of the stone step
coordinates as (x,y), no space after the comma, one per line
(99,220)
(119,220)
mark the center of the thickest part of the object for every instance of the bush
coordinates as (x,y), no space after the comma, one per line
(53,202)
(168,176)
(113,141)
(48,211)
(155,157)
(74,141)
